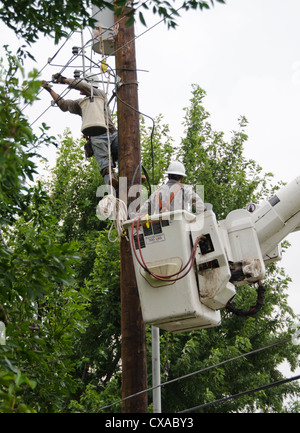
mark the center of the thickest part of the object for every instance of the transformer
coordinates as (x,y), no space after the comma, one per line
(103,42)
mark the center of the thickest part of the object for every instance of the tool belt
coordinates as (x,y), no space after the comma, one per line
(88,149)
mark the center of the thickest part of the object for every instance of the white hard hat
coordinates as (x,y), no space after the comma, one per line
(92,79)
(176,167)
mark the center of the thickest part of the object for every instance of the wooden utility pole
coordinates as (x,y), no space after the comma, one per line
(134,355)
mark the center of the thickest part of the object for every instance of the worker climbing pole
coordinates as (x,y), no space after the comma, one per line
(134,356)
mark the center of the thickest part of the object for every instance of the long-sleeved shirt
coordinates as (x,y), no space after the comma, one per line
(72,105)
(184,198)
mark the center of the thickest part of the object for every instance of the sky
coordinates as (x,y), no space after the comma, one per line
(245,55)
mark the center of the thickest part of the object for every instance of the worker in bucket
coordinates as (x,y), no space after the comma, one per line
(99,143)
(173,195)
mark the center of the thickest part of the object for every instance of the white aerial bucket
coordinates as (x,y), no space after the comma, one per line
(93,117)
(173,304)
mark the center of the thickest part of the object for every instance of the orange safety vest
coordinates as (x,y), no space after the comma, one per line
(166,207)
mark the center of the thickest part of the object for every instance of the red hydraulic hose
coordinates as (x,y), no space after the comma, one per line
(144,266)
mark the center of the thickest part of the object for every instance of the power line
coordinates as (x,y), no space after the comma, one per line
(240,394)
(50,60)
(66,91)
(146,31)
(70,60)
(124,45)
(91,40)
(199,371)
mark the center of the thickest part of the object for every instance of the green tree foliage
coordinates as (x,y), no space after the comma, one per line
(17,141)
(73,188)
(229,179)
(55,18)
(36,264)
(43,312)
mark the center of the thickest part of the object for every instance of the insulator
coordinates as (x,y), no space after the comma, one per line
(76,73)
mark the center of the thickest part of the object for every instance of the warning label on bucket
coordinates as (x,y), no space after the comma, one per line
(156,238)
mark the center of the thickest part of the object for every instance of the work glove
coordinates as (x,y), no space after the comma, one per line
(58,78)
(46,85)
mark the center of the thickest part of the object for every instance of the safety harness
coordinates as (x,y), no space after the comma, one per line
(172,196)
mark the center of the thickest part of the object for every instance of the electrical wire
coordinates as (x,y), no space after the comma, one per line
(64,66)
(152,130)
(66,91)
(243,355)
(91,40)
(68,63)
(62,95)
(146,31)
(66,40)
(241,394)
(49,62)
(123,46)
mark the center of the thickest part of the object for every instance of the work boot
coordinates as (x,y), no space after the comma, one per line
(114,179)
